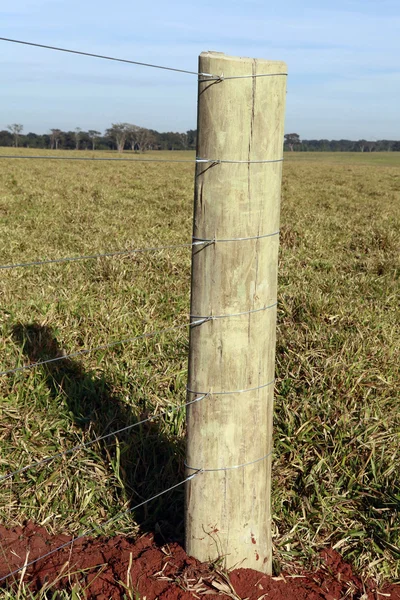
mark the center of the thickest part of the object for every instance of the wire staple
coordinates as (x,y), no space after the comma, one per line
(241,239)
(206,470)
(244,162)
(221,78)
(246,312)
(209,393)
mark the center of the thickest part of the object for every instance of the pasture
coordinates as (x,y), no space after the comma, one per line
(337,420)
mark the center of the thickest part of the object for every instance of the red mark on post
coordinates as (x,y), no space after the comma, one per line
(253,539)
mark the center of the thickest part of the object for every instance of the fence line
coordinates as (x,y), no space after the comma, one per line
(102,347)
(198,321)
(212,161)
(198,471)
(78,447)
(104,255)
(102,159)
(197,241)
(202,77)
(207,76)
(81,53)
(202,396)
(95,530)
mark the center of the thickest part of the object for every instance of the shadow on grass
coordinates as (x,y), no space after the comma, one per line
(150,460)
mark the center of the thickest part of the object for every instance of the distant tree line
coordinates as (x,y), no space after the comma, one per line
(120,136)
(295,144)
(126,136)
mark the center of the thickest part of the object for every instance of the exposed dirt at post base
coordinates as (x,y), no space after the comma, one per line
(105,568)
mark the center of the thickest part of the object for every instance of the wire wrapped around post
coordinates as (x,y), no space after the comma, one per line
(237,198)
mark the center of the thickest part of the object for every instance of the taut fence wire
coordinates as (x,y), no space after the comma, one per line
(195,321)
(198,321)
(48,459)
(196,242)
(82,352)
(212,161)
(207,76)
(127,252)
(102,56)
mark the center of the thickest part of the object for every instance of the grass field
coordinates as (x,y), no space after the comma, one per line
(337,422)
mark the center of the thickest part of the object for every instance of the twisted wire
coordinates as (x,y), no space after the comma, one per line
(245,312)
(221,78)
(246,464)
(240,239)
(258,387)
(198,321)
(197,241)
(217,161)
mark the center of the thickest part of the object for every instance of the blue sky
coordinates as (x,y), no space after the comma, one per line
(342,56)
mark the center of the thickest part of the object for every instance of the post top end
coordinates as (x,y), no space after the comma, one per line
(278,66)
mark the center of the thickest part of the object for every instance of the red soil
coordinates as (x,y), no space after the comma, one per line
(104,566)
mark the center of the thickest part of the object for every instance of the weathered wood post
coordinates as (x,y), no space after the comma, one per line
(240,121)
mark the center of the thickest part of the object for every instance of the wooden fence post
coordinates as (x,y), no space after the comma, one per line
(240,119)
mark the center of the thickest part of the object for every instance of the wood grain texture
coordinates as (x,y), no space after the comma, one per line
(228,512)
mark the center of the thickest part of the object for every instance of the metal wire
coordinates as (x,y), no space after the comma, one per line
(198,321)
(124,429)
(197,242)
(237,162)
(95,530)
(89,158)
(259,387)
(102,347)
(246,312)
(253,462)
(223,78)
(207,76)
(216,240)
(123,60)
(202,395)
(78,447)
(92,256)
(138,160)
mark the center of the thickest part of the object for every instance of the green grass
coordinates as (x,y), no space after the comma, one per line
(337,424)
(383,159)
